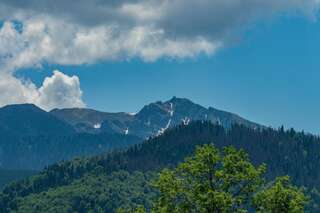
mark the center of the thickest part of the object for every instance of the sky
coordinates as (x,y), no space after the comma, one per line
(259,59)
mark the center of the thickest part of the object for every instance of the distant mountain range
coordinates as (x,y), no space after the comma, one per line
(151,120)
(31,138)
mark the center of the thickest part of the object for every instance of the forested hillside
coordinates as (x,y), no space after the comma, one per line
(285,152)
(7,176)
(36,152)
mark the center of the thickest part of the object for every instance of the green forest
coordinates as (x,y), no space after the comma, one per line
(214,181)
(165,172)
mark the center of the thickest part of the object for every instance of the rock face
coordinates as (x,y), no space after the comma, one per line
(151,120)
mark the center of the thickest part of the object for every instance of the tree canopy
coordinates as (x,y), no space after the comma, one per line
(211,181)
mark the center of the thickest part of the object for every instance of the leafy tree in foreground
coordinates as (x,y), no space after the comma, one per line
(211,181)
(280,197)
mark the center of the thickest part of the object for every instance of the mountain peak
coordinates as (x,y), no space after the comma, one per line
(29,120)
(150,120)
(26,106)
(175,99)
(153,108)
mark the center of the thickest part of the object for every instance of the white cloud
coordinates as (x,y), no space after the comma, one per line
(62,32)
(60,91)
(41,41)
(57,91)
(15,91)
(91,31)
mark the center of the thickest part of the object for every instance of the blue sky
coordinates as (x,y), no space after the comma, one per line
(271,76)
(256,58)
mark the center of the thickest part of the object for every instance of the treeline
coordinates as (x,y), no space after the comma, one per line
(285,152)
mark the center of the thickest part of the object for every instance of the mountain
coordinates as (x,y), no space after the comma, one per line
(29,120)
(88,120)
(37,152)
(151,120)
(31,138)
(120,178)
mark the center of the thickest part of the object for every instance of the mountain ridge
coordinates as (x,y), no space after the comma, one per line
(31,138)
(153,119)
(29,120)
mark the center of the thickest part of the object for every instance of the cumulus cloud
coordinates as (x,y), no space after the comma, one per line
(14,91)
(68,33)
(43,41)
(57,91)
(60,91)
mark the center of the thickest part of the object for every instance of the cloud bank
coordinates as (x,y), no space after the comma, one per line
(68,33)
(64,32)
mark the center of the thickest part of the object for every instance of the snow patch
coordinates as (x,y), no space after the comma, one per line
(168,124)
(219,121)
(126,131)
(97,126)
(186,121)
(171,111)
(162,130)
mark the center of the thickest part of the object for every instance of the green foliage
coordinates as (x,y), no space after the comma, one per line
(214,182)
(138,209)
(94,193)
(281,197)
(285,152)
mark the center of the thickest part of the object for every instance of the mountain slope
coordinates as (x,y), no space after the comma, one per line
(31,138)
(284,152)
(29,120)
(151,120)
(88,120)
(34,153)
(163,115)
